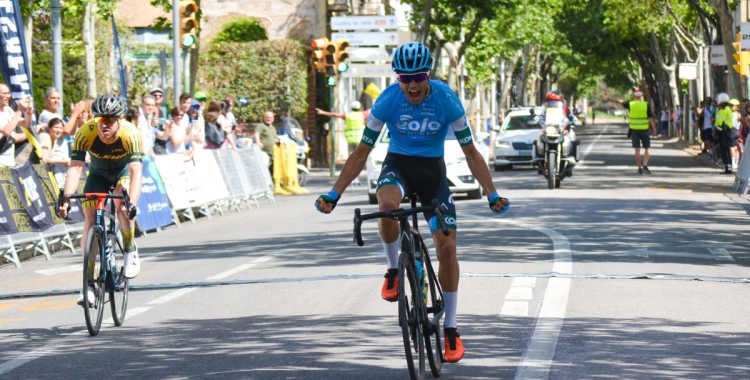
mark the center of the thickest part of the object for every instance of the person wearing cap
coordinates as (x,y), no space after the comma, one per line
(197,122)
(641,120)
(158,95)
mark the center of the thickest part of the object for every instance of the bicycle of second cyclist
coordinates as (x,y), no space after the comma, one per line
(103,260)
(420,298)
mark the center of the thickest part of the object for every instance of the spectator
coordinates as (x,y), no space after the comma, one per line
(201,97)
(230,115)
(79,114)
(186,100)
(147,121)
(133,114)
(55,147)
(158,95)
(706,114)
(663,120)
(677,119)
(198,134)
(265,135)
(51,105)
(9,120)
(218,131)
(177,134)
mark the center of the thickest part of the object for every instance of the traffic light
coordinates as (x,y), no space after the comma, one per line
(317,56)
(188,23)
(342,55)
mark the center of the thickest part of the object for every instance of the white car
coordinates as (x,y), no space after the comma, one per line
(514,139)
(460,179)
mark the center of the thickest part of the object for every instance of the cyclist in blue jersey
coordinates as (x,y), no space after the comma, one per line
(418,113)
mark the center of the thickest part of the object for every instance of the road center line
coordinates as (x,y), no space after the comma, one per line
(232,271)
(170,296)
(536,360)
(591,146)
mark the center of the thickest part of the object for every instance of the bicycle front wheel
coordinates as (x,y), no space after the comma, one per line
(118,297)
(94,280)
(409,316)
(433,314)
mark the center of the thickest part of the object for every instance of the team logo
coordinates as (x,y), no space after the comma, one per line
(407,123)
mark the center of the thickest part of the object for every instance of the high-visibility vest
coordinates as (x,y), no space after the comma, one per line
(724,118)
(355,126)
(638,115)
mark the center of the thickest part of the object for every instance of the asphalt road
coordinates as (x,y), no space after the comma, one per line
(614,275)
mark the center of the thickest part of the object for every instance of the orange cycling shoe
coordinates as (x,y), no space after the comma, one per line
(454,348)
(389,292)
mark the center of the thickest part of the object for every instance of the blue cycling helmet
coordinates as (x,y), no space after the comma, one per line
(412,57)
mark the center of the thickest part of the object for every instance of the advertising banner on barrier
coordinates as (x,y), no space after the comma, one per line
(32,198)
(153,206)
(58,173)
(50,191)
(208,174)
(179,179)
(7,187)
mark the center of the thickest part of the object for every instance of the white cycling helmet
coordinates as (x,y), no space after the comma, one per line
(356,105)
(723,97)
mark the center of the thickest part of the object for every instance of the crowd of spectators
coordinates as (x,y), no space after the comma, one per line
(195,123)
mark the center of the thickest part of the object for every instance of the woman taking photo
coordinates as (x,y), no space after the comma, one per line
(54,146)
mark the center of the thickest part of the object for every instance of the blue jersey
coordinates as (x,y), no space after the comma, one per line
(418,130)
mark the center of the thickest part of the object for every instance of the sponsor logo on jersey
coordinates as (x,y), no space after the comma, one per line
(408,125)
(465,140)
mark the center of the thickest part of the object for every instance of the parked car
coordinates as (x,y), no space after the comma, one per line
(460,179)
(514,139)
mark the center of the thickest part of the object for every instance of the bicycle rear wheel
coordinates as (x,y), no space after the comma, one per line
(93,278)
(432,328)
(118,297)
(409,316)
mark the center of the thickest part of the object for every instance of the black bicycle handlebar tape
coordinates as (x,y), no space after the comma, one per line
(358,227)
(439,209)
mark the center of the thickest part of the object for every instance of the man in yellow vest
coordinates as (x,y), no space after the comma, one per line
(725,128)
(354,127)
(641,120)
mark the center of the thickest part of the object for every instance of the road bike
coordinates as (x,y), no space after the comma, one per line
(103,260)
(420,298)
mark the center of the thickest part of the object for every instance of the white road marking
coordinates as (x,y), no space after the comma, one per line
(70,268)
(582,162)
(716,254)
(515,309)
(232,271)
(263,259)
(170,296)
(524,281)
(536,360)
(519,293)
(129,314)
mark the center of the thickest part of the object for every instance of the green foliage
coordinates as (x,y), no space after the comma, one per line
(244,29)
(272,75)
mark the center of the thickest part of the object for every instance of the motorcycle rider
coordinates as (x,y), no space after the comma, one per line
(557,112)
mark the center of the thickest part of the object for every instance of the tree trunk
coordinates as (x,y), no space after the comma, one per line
(425,28)
(727,36)
(510,67)
(88,43)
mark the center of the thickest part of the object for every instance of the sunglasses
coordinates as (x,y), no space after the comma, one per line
(195,108)
(109,120)
(408,78)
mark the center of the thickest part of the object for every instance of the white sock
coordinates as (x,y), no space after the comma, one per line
(451,305)
(391,253)
(734,162)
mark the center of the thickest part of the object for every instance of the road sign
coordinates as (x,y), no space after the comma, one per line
(688,71)
(717,55)
(359,70)
(365,54)
(368,38)
(745,31)
(364,22)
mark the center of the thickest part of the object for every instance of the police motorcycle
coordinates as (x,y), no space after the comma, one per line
(556,151)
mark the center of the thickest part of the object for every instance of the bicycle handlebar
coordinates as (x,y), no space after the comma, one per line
(398,214)
(124,196)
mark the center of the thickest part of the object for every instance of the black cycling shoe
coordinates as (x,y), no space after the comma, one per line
(640,171)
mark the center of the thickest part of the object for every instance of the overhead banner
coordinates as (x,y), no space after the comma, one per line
(120,67)
(153,206)
(32,197)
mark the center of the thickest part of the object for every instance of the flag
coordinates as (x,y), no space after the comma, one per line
(15,61)
(373,91)
(120,67)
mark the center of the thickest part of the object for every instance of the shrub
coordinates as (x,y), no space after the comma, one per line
(243,29)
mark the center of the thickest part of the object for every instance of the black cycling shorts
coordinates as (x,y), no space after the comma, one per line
(637,137)
(425,176)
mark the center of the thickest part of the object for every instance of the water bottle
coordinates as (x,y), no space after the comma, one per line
(422,279)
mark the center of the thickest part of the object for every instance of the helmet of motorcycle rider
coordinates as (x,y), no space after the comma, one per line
(637,92)
(553,95)
(356,105)
(722,98)
(412,57)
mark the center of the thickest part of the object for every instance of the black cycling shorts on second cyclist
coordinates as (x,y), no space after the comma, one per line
(100,180)
(425,176)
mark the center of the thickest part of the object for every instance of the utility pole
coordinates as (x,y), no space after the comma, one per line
(57,52)
(176,50)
